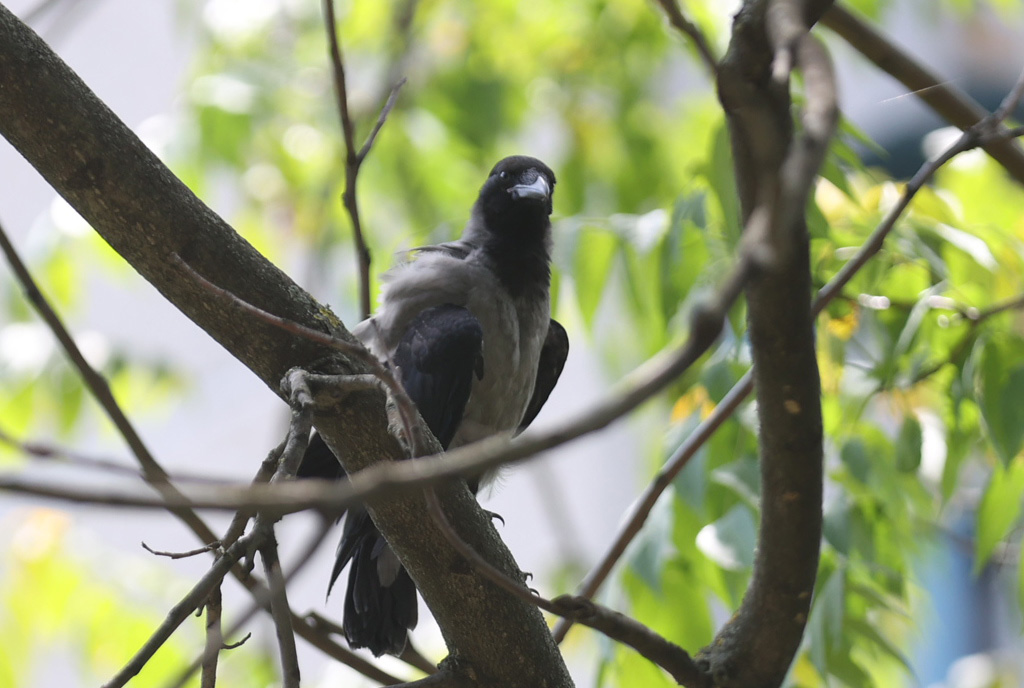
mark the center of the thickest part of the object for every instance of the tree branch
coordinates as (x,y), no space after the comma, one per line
(943,97)
(304,558)
(281,612)
(635,520)
(691,31)
(776,172)
(214,639)
(354,158)
(180,507)
(650,645)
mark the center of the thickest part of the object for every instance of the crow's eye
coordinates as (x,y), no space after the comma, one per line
(503,174)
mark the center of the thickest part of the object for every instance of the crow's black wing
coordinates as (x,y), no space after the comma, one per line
(437,358)
(319,461)
(552,360)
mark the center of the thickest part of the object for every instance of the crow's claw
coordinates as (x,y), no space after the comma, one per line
(495,515)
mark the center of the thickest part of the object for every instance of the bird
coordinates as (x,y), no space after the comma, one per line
(467,327)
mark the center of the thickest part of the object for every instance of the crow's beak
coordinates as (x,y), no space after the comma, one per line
(538,190)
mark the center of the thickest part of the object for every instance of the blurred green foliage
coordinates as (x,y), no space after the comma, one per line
(920,357)
(79,609)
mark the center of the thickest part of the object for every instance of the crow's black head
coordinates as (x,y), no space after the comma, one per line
(517,194)
(510,223)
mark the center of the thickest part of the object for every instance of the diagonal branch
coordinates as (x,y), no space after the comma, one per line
(280,612)
(663,653)
(943,97)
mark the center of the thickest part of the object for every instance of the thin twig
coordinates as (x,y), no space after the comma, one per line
(649,644)
(384,112)
(354,158)
(645,504)
(288,460)
(263,476)
(975,318)
(51,453)
(182,555)
(654,647)
(363,257)
(47,452)
(261,602)
(235,645)
(214,639)
(281,613)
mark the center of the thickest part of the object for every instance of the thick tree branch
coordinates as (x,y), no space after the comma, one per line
(147,215)
(775,173)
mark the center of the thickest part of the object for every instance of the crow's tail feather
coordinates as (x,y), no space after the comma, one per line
(380,602)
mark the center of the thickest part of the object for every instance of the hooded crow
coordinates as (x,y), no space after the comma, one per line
(468,326)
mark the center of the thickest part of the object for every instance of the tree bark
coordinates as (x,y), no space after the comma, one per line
(774,174)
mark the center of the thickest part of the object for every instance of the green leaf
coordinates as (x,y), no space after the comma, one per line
(1000,387)
(908,445)
(741,477)
(1020,580)
(592,264)
(730,540)
(722,181)
(825,626)
(836,524)
(855,456)
(1000,506)
(653,547)
(879,641)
